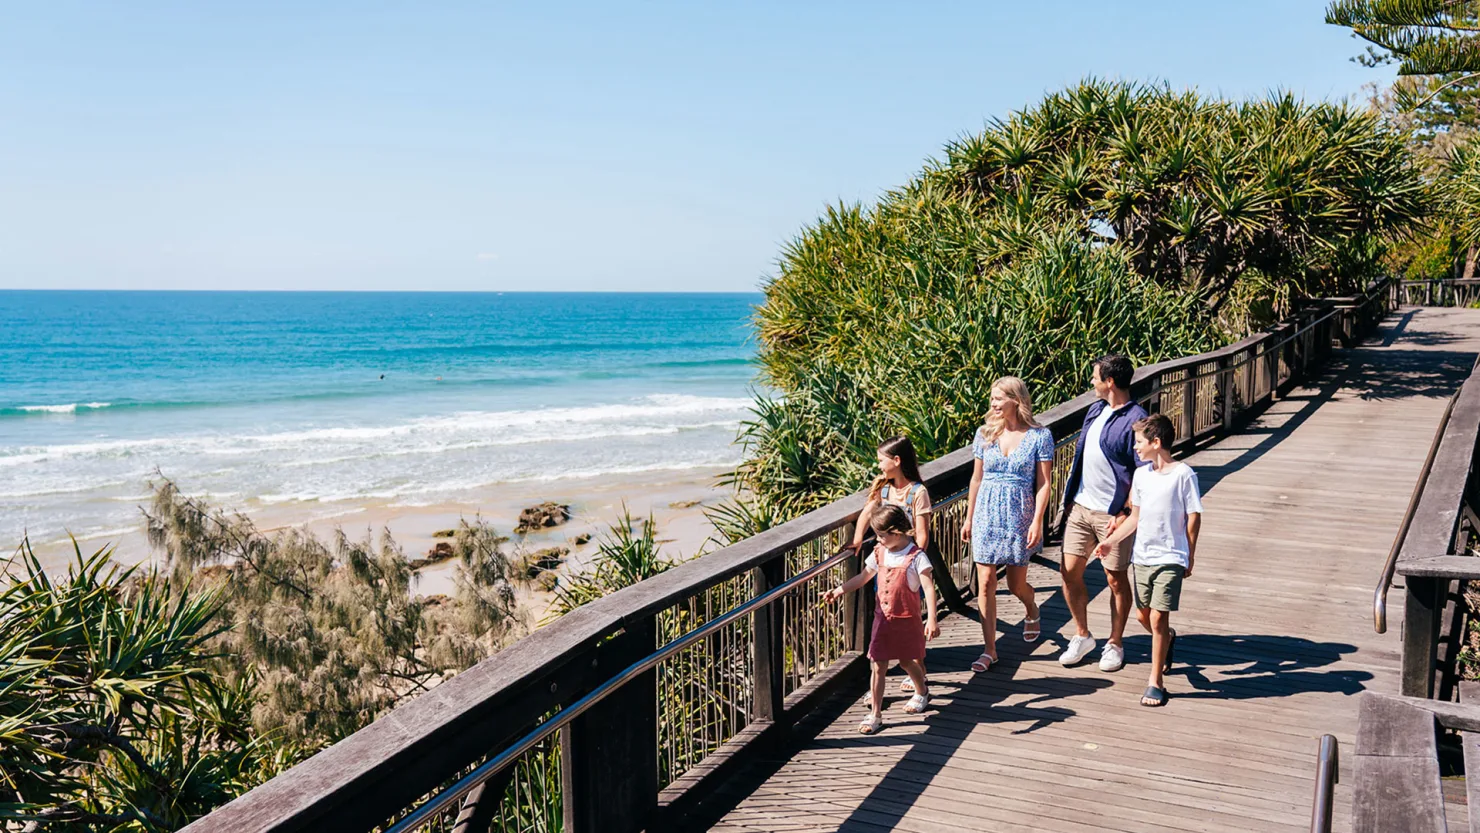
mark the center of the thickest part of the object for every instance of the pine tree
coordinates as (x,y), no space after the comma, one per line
(1428,37)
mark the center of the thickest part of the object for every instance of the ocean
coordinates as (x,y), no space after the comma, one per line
(318,401)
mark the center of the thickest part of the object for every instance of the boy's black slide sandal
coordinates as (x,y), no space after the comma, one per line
(1159,696)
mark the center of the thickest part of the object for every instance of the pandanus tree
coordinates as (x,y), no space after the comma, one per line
(1110,217)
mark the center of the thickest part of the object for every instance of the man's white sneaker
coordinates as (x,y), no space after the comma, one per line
(1079,648)
(1112,658)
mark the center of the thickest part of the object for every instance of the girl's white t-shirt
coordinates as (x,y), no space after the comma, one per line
(1165,499)
(919,563)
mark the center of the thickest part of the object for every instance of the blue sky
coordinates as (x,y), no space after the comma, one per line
(570,146)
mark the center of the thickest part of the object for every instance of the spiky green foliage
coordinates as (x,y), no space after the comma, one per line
(1460,188)
(110,717)
(1110,217)
(626,553)
(1427,36)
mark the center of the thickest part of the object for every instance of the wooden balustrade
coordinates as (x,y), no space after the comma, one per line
(647,752)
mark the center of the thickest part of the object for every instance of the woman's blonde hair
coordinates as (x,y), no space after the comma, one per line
(1016,390)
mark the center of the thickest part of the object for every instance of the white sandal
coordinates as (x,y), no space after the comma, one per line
(908,686)
(870,725)
(1037,629)
(983,663)
(917,704)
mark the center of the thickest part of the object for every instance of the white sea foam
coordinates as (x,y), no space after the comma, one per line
(69,408)
(93,482)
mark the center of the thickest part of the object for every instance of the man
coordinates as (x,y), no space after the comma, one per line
(1095,504)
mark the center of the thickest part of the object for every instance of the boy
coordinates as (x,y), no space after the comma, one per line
(1166,513)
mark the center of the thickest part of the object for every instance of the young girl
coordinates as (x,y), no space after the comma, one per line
(898,484)
(901,570)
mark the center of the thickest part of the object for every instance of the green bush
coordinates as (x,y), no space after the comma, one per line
(1111,217)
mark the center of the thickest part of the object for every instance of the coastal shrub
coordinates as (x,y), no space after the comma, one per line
(1110,217)
(132,699)
(111,715)
(329,630)
(626,553)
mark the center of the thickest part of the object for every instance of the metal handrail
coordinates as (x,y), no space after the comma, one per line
(1379,596)
(1328,773)
(444,800)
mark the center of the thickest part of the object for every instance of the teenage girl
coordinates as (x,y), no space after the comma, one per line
(898,484)
(901,570)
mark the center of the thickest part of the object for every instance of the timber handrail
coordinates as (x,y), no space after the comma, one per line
(516,700)
(1385,581)
(1431,555)
(1328,773)
(492,766)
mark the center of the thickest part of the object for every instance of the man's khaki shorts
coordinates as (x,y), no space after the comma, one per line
(1085,529)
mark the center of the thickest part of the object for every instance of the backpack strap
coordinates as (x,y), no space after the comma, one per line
(909,497)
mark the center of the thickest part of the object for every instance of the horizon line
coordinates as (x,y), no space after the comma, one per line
(411,291)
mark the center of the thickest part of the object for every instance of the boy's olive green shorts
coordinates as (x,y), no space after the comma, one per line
(1158,587)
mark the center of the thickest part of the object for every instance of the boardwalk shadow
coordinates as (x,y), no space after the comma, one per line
(1254,666)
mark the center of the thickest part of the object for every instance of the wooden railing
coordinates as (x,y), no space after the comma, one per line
(629,711)
(1444,292)
(1434,552)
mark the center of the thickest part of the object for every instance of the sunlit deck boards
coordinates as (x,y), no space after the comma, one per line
(1276,639)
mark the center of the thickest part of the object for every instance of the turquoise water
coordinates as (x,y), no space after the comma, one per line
(328,399)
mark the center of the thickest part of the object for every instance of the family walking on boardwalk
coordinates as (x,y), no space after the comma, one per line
(1127,503)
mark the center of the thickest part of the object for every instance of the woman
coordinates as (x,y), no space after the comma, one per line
(1006,505)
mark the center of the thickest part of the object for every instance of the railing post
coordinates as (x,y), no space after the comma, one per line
(1226,386)
(609,755)
(1189,404)
(768,658)
(855,628)
(1422,608)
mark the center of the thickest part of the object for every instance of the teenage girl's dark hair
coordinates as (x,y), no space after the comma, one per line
(1117,369)
(902,448)
(890,518)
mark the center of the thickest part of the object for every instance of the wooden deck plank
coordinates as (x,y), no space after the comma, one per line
(1276,641)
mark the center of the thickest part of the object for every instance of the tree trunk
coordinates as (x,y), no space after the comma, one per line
(1469,263)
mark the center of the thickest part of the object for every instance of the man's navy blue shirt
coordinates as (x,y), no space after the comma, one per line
(1118,441)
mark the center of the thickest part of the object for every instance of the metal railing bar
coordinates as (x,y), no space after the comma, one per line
(1385,581)
(1328,774)
(448,797)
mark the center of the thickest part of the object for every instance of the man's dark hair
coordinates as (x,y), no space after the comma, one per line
(1117,369)
(1156,427)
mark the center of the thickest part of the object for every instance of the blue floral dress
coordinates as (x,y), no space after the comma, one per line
(1004,503)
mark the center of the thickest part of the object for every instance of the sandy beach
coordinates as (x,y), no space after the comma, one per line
(675,500)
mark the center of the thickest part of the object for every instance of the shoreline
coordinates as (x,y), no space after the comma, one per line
(675,499)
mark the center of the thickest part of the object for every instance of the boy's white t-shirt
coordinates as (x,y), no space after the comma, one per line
(918,560)
(1165,499)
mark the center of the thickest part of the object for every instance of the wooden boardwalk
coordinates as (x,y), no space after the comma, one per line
(1276,639)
